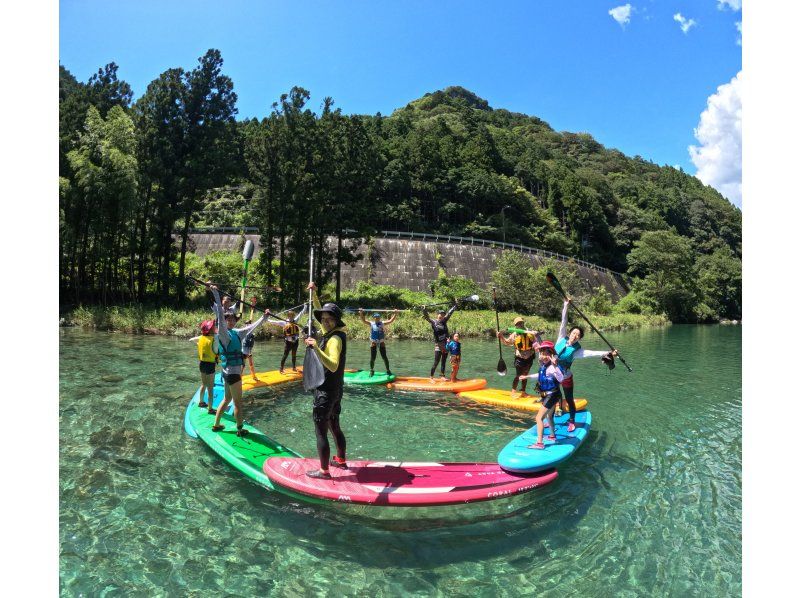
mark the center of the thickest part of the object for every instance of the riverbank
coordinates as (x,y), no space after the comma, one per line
(475,324)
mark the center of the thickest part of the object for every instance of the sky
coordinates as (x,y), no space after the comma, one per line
(654,78)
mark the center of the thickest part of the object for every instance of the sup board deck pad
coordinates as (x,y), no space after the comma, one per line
(407,484)
(271,378)
(363,377)
(517,457)
(247,454)
(438,384)
(503,398)
(217,396)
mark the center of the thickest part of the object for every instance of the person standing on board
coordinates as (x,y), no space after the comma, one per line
(207,352)
(440,335)
(230,352)
(568,349)
(454,348)
(377,334)
(525,345)
(548,384)
(291,340)
(332,352)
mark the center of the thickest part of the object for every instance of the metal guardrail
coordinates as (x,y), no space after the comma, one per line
(393,234)
(489,243)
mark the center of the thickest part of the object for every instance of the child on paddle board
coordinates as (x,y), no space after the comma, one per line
(207,352)
(230,342)
(332,352)
(568,349)
(525,345)
(291,340)
(548,384)
(453,347)
(377,334)
(440,335)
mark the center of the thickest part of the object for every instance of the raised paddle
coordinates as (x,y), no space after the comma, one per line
(201,283)
(501,365)
(551,278)
(313,372)
(468,299)
(247,255)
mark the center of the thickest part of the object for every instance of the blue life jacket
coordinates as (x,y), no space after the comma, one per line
(547,382)
(453,348)
(566,353)
(376,333)
(231,356)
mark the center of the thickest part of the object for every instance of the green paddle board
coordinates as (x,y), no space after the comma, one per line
(245,453)
(363,377)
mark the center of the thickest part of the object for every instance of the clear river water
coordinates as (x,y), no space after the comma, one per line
(649,505)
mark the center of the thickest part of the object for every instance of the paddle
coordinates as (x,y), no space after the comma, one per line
(313,371)
(501,365)
(551,278)
(353,310)
(202,283)
(247,255)
(468,299)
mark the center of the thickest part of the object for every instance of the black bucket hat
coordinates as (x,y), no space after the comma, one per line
(332,309)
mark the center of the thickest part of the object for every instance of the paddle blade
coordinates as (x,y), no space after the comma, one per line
(249,250)
(313,370)
(501,367)
(474,298)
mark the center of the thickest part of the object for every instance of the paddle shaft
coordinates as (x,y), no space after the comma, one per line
(501,363)
(222,292)
(554,281)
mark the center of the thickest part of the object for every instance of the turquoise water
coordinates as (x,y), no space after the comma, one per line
(650,504)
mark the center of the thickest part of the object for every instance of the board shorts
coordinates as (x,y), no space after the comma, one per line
(567,382)
(521,363)
(208,367)
(291,344)
(552,400)
(327,406)
(455,359)
(440,347)
(231,379)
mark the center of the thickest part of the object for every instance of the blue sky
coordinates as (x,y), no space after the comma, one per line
(639,86)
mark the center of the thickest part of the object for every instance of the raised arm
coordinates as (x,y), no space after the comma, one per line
(582,353)
(426,315)
(361,317)
(562,331)
(243,332)
(222,327)
(450,312)
(392,319)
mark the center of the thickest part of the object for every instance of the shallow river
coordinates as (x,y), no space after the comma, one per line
(649,505)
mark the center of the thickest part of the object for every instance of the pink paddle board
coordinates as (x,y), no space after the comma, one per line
(404,484)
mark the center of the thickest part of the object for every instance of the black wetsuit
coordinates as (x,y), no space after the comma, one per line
(440,335)
(328,404)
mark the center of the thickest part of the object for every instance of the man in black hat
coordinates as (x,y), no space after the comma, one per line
(332,352)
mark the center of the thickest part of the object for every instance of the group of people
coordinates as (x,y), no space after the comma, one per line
(555,369)
(221,341)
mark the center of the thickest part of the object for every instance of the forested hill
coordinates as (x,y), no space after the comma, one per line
(446,162)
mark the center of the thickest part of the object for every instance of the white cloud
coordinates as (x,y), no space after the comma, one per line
(718,158)
(621,14)
(739,29)
(732,4)
(686,24)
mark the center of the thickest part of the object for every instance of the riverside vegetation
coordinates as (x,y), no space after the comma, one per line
(136,174)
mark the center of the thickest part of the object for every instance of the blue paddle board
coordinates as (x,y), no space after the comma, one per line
(517,457)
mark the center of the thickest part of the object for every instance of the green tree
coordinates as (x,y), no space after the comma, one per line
(719,278)
(663,260)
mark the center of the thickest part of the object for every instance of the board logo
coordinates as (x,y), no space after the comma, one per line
(344,498)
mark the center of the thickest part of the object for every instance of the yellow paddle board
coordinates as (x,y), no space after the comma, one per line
(412,383)
(503,398)
(271,378)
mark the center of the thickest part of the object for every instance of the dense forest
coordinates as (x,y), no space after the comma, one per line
(133,174)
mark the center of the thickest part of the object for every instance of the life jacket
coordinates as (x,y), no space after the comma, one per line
(376,332)
(523,343)
(231,356)
(334,380)
(291,332)
(454,348)
(547,383)
(205,349)
(566,353)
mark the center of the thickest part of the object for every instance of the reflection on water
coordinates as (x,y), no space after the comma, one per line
(650,504)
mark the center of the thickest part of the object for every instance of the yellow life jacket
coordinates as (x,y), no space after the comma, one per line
(291,331)
(524,342)
(205,349)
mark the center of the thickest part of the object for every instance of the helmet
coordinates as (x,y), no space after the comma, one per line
(376,315)
(332,309)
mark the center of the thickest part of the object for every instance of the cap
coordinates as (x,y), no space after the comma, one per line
(376,315)
(547,345)
(206,326)
(519,320)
